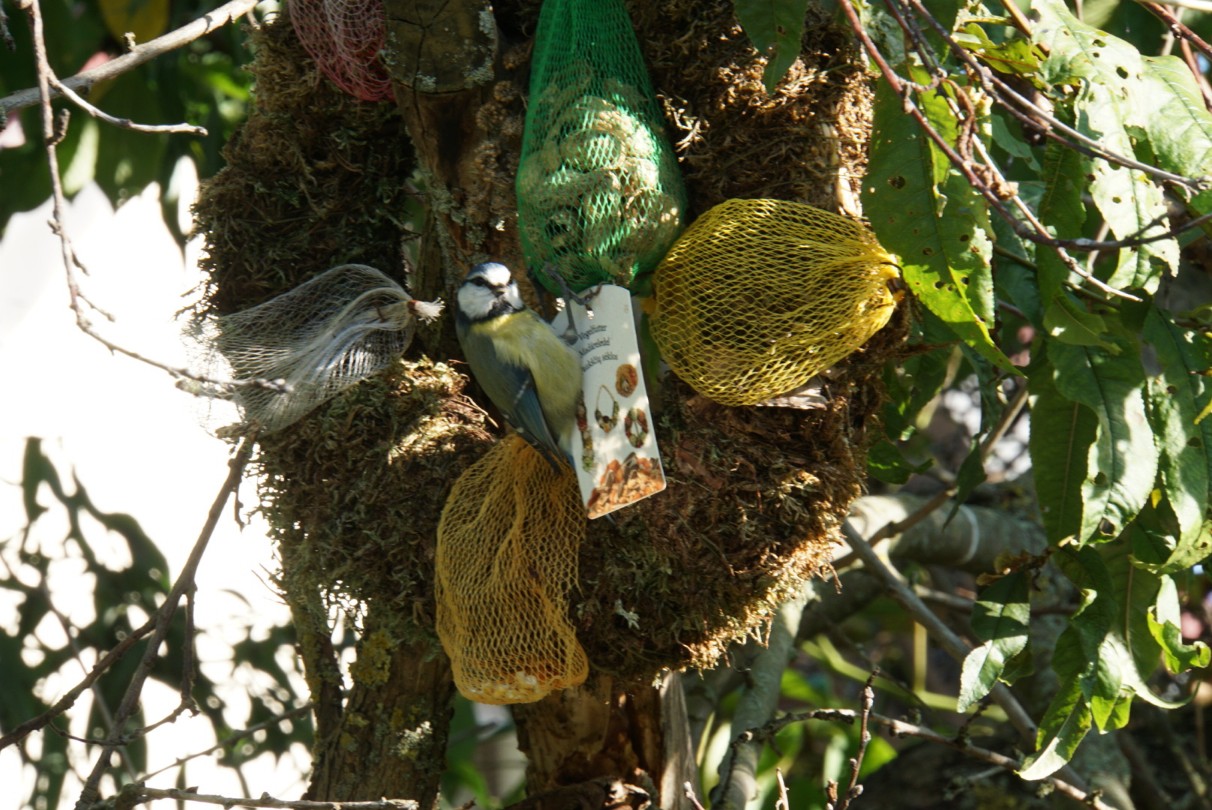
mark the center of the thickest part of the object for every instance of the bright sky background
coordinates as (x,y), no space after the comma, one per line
(133,439)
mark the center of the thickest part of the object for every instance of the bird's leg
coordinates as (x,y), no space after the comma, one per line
(570,334)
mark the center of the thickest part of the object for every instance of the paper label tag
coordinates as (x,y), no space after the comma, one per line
(614,442)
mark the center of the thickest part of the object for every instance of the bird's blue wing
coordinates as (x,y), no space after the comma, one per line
(512,389)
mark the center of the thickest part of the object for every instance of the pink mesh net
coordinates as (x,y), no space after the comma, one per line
(344,38)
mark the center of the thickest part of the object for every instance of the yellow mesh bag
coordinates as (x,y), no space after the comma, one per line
(757,296)
(506,560)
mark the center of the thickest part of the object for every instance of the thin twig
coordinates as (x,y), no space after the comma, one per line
(121,123)
(784,801)
(233,738)
(1179,28)
(71,262)
(69,699)
(757,704)
(139,794)
(1034,230)
(1195,5)
(1016,17)
(902,728)
(138,55)
(947,600)
(185,581)
(70,631)
(944,635)
(903,90)
(854,789)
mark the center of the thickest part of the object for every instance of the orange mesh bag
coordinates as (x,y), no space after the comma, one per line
(506,560)
(757,296)
(344,38)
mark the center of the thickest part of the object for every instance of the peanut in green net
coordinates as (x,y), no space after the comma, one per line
(600,195)
(759,296)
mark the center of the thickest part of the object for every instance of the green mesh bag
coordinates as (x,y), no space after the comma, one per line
(600,196)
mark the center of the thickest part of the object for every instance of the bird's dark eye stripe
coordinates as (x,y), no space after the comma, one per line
(480,281)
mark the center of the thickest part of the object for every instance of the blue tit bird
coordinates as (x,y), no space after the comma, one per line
(529,373)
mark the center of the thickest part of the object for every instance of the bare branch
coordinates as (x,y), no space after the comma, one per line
(757,704)
(1194,5)
(854,789)
(966,167)
(138,55)
(139,794)
(185,582)
(903,728)
(956,647)
(71,262)
(121,123)
(231,739)
(68,700)
(72,634)
(688,792)
(1180,28)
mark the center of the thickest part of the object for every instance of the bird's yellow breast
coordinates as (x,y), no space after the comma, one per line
(527,340)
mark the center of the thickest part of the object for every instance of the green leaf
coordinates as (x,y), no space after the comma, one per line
(1069,322)
(1061,210)
(1014,56)
(971,474)
(1000,619)
(1177,123)
(912,385)
(1063,727)
(1103,68)
(886,462)
(1062,433)
(1134,593)
(1122,463)
(933,220)
(1177,394)
(1164,624)
(775,27)
(1111,666)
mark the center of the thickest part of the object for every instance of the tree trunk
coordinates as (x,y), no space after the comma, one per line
(391,738)
(606,729)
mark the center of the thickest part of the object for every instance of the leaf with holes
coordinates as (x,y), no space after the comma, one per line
(1122,463)
(1178,125)
(1104,70)
(1177,394)
(933,220)
(1061,211)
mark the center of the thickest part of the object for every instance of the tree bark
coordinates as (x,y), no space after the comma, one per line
(391,738)
(605,729)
